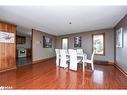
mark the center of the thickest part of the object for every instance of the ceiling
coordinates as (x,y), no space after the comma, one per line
(56,20)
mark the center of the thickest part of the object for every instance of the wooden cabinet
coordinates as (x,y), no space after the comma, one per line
(29,52)
(7,50)
(20,40)
(16,53)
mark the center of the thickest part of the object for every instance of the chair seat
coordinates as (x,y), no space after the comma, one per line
(66,58)
(79,60)
(87,61)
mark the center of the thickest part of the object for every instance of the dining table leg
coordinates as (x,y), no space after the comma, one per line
(84,63)
(83,67)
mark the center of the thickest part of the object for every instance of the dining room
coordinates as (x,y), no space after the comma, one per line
(69,50)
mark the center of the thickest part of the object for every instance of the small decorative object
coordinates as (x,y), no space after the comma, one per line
(6,37)
(47,42)
(119,38)
(77,41)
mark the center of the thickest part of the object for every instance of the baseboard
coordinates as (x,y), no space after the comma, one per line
(101,62)
(110,63)
(8,69)
(42,60)
(120,69)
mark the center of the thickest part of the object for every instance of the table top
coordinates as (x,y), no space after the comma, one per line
(79,54)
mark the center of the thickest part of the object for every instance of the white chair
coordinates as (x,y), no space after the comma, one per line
(73,60)
(66,51)
(64,59)
(57,56)
(70,49)
(80,51)
(90,61)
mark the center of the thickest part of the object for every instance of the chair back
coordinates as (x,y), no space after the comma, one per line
(73,59)
(73,54)
(63,58)
(80,51)
(66,51)
(57,56)
(57,51)
(70,49)
(92,55)
(63,53)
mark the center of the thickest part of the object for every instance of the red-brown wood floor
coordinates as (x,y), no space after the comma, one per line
(46,75)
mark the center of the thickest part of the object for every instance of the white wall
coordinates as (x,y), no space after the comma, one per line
(87,43)
(39,52)
(121,53)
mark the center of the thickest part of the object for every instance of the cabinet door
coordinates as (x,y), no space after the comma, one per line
(20,40)
(23,40)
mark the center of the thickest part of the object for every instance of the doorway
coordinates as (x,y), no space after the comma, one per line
(23,46)
(64,43)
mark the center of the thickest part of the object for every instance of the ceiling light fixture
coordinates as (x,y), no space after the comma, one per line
(70,23)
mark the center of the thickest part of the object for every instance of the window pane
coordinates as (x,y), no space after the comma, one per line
(64,43)
(98,44)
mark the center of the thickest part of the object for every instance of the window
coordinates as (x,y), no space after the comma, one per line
(98,42)
(64,43)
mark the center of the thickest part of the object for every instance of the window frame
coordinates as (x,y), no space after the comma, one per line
(62,43)
(103,34)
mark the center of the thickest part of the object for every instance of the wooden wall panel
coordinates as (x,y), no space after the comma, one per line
(7,50)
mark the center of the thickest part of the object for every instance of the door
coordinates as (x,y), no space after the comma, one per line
(64,43)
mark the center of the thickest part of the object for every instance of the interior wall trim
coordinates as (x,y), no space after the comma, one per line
(120,69)
(102,62)
(111,63)
(42,60)
(4,70)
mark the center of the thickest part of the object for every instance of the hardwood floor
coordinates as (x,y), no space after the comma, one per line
(47,76)
(23,61)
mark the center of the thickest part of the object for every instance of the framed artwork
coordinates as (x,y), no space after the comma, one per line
(77,41)
(119,38)
(98,43)
(6,37)
(47,42)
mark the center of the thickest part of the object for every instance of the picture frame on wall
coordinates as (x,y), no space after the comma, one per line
(78,41)
(119,38)
(6,37)
(47,42)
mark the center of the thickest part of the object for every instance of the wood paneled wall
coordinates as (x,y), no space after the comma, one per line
(7,50)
